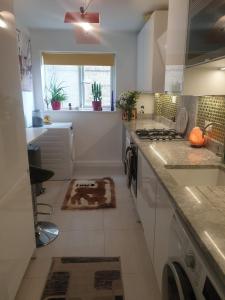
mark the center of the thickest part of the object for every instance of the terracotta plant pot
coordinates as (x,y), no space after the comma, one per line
(56,105)
(126,116)
(97,105)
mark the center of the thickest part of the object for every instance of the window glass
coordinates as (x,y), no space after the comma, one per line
(77,81)
(102,75)
(68,76)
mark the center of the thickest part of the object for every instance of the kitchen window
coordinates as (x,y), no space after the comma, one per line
(77,80)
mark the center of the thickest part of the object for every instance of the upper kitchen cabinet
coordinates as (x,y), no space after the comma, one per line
(195,48)
(151,54)
(176,45)
(204,73)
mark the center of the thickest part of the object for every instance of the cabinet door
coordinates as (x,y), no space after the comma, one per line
(146,202)
(147,56)
(145,48)
(140,60)
(164,214)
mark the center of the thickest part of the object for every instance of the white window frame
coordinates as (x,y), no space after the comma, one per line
(81,87)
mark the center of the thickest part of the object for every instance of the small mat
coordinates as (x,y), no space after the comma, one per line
(80,278)
(90,194)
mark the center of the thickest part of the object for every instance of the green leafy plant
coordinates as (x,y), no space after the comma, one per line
(56,91)
(96,91)
(127,102)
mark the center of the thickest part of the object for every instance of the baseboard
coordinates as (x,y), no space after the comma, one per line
(98,164)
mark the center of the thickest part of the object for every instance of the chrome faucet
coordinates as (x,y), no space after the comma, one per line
(204,132)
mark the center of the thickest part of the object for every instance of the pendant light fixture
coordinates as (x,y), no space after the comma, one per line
(83,18)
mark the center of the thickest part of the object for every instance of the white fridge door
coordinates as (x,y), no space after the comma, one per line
(16,218)
(13,155)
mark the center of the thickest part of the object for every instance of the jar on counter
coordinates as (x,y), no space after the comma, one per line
(37,119)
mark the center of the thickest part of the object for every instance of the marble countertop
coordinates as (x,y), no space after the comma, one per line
(33,134)
(200,208)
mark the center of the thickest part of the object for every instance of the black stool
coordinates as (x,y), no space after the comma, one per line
(45,232)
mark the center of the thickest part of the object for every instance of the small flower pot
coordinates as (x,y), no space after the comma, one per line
(128,116)
(56,105)
(97,105)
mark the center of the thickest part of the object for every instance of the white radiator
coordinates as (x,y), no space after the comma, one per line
(57,150)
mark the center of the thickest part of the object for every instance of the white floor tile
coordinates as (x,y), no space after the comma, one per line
(106,232)
(31,289)
(75,243)
(139,287)
(38,267)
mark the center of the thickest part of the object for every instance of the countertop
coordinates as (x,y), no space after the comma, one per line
(59,125)
(33,134)
(200,208)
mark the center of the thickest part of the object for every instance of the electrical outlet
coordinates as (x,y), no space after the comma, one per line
(208,129)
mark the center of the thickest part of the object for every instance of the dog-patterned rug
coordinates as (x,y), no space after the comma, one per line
(80,278)
(90,194)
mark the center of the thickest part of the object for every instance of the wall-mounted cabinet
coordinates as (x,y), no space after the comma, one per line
(176,45)
(151,54)
(188,46)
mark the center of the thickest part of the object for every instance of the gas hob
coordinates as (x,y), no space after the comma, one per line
(158,134)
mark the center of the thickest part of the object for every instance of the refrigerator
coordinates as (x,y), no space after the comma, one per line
(17,242)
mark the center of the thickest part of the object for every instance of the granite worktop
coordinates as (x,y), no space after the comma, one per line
(200,208)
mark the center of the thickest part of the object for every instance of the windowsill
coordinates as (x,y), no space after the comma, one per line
(105,110)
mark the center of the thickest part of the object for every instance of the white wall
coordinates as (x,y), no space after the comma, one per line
(123,44)
(98,136)
(148,101)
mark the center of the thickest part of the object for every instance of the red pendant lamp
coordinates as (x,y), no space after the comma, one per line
(82,16)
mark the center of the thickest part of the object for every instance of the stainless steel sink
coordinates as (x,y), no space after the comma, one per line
(198,176)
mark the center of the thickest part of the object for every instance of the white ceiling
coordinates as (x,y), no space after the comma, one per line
(115,14)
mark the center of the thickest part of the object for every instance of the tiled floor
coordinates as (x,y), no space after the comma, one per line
(108,232)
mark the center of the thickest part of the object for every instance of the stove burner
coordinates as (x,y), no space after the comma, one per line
(158,134)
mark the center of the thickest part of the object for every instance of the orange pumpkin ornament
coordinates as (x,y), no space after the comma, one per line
(196,137)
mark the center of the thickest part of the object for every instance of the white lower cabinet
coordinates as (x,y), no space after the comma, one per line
(146,204)
(155,212)
(57,150)
(164,214)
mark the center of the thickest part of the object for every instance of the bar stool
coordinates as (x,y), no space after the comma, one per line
(45,232)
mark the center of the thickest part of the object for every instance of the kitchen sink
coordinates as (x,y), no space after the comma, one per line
(198,176)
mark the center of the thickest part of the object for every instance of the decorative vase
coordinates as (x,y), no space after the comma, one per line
(129,115)
(97,105)
(56,105)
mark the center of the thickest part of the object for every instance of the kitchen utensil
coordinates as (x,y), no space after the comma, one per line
(181,121)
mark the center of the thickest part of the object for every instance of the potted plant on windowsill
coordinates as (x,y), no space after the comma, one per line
(127,102)
(57,94)
(97,96)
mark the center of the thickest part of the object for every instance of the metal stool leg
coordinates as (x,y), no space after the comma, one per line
(45,232)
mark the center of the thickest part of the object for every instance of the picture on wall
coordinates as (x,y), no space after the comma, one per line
(25,62)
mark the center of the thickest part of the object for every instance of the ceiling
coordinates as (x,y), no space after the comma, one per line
(116,15)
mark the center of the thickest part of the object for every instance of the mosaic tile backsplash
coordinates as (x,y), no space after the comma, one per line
(212,109)
(165,107)
(209,108)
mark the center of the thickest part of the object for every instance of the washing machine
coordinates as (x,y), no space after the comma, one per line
(186,275)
